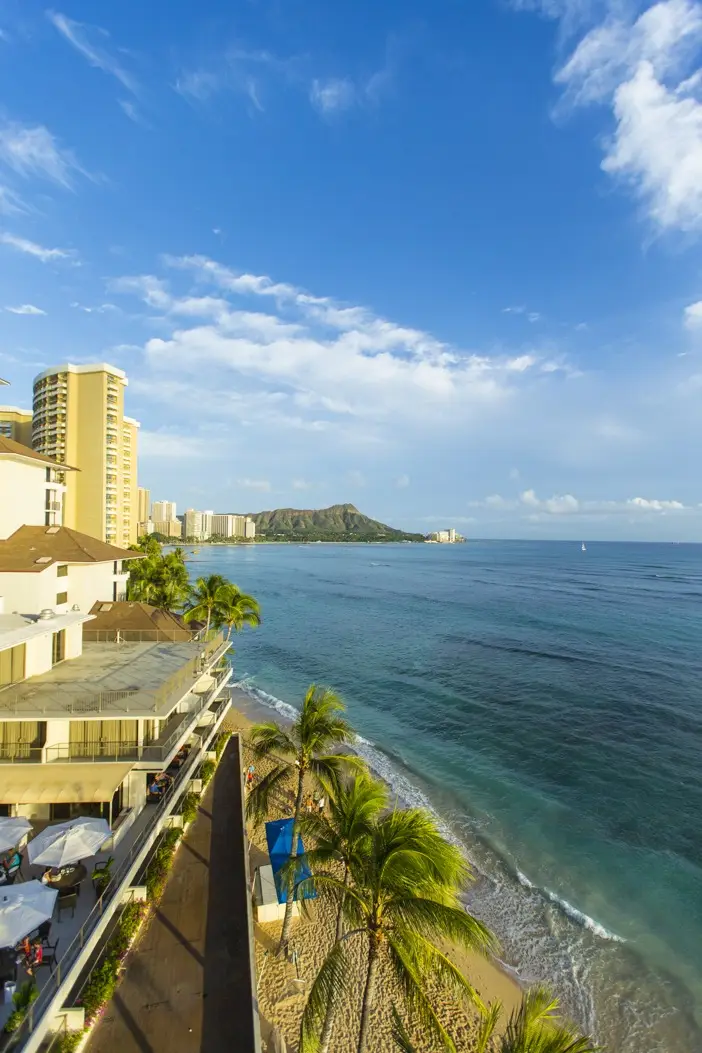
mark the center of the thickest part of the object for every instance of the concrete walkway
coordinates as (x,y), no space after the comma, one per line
(188,988)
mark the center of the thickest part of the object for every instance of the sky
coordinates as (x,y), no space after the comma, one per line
(437,258)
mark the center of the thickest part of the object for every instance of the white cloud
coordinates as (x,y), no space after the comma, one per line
(11,204)
(33,151)
(131,111)
(533,316)
(167,444)
(152,290)
(644,69)
(103,308)
(32,249)
(333,95)
(402,482)
(25,308)
(567,505)
(255,484)
(301,484)
(79,35)
(693,315)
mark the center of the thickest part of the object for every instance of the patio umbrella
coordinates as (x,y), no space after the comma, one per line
(24,908)
(65,843)
(12,831)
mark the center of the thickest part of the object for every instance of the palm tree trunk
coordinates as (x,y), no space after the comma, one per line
(369,993)
(207,627)
(287,920)
(325,1037)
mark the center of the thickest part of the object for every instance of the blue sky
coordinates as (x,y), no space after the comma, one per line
(438,259)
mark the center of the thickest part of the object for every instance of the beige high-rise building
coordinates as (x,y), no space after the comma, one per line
(168,527)
(79,420)
(143,505)
(16,424)
(163,511)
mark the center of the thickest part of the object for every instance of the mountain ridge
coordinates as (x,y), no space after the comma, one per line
(337,522)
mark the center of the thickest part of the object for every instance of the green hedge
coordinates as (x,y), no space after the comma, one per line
(103,979)
(207,770)
(161,863)
(68,1042)
(23,997)
(188,808)
(221,742)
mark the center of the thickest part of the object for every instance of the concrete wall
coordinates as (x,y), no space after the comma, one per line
(32,592)
(22,495)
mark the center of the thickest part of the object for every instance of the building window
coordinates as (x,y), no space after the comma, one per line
(62,571)
(61,597)
(58,647)
(12,665)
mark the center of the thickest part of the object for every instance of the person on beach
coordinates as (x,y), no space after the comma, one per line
(309,804)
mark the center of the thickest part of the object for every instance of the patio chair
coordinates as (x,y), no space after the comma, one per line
(50,957)
(14,872)
(44,931)
(101,875)
(68,901)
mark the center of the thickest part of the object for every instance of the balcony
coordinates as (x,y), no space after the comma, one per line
(116,679)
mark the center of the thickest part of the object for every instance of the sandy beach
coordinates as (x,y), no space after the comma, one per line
(283,986)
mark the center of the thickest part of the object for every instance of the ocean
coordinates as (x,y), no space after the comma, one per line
(546,703)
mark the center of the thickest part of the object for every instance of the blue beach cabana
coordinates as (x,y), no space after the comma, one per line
(279,840)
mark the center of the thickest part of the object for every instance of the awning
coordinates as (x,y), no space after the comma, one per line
(60,783)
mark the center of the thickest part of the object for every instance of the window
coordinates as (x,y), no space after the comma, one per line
(62,571)
(61,597)
(58,647)
(12,665)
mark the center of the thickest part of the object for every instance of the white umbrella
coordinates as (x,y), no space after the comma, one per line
(24,908)
(12,831)
(65,843)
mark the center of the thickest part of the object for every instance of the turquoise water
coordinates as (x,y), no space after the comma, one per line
(547,703)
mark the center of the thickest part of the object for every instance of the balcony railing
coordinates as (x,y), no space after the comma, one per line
(113,895)
(112,751)
(151,702)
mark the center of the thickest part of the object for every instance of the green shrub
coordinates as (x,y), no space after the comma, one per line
(162,861)
(22,999)
(207,770)
(188,808)
(221,742)
(100,986)
(68,1042)
(129,922)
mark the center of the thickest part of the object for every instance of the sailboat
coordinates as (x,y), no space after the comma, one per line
(582,547)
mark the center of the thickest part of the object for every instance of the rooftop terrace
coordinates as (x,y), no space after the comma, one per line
(111,680)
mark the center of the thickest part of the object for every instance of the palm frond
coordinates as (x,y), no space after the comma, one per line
(399,1033)
(536,1028)
(260,798)
(328,988)
(434,919)
(487,1026)
(412,978)
(434,963)
(269,739)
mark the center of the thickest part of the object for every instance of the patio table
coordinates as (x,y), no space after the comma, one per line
(72,876)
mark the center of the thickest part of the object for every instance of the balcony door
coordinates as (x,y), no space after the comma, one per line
(58,647)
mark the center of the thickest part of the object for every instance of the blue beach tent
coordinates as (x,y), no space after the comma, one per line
(279,840)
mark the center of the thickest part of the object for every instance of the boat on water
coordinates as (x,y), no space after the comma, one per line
(582,547)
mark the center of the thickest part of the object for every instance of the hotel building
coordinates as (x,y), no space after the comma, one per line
(79,420)
(16,424)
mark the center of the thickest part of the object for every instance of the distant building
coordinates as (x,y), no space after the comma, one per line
(168,527)
(143,504)
(16,424)
(197,524)
(79,420)
(445,537)
(230,525)
(249,529)
(163,511)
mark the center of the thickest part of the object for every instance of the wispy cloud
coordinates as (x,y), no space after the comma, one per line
(11,204)
(645,70)
(402,482)
(89,41)
(33,151)
(528,503)
(39,251)
(263,485)
(301,484)
(25,308)
(103,308)
(131,111)
(169,444)
(693,315)
(333,95)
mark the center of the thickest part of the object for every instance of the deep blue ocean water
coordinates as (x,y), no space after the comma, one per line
(547,703)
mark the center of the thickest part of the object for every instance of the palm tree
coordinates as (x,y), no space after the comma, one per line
(239,609)
(207,600)
(297,752)
(403,897)
(345,838)
(157,579)
(535,1027)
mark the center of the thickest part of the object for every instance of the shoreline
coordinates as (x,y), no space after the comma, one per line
(492,978)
